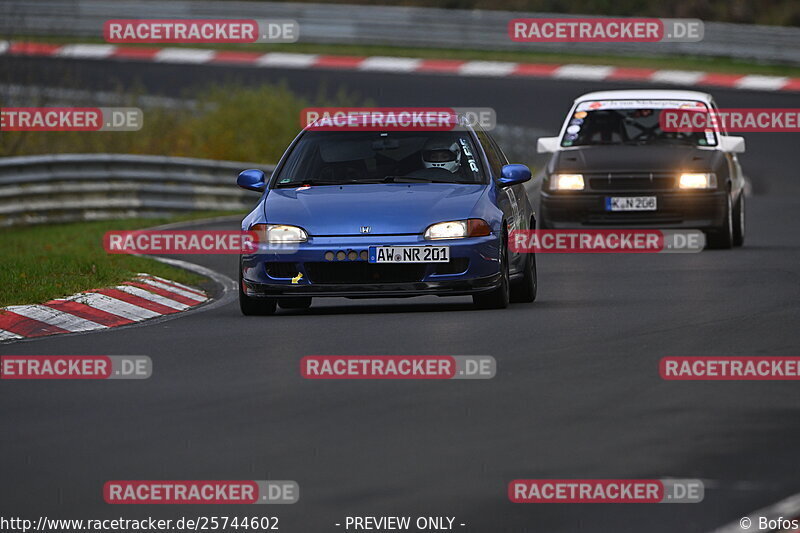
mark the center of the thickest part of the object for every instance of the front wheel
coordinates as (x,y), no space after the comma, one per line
(497,298)
(722,237)
(739,221)
(254,306)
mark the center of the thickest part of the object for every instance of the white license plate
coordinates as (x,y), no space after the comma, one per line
(630,203)
(409,254)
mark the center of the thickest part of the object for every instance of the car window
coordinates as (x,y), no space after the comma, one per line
(722,130)
(494,156)
(361,157)
(634,122)
(503,158)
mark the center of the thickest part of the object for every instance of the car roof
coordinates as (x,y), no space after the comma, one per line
(646,94)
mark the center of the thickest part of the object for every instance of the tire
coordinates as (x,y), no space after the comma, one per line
(254,306)
(497,298)
(739,221)
(722,238)
(524,290)
(299,302)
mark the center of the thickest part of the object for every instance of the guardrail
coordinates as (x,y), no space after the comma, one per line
(71,187)
(388,25)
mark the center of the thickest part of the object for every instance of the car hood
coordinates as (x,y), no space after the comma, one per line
(664,158)
(390,208)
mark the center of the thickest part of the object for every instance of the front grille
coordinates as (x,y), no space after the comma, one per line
(362,272)
(281,270)
(630,182)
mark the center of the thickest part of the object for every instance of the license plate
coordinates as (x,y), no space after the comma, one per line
(409,254)
(630,203)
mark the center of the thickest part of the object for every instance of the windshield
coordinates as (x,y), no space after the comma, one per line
(336,158)
(634,122)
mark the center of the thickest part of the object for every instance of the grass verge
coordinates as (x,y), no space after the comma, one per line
(232,123)
(51,261)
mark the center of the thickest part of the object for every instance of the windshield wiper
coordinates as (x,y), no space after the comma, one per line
(300,183)
(393,179)
(387,179)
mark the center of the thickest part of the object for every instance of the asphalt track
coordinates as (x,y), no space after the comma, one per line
(577,393)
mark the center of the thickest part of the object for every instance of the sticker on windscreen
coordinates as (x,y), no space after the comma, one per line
(473,165)
(635,104)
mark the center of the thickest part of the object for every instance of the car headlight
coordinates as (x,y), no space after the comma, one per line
(279,233)
(566,182)
(697,180)
(458,229)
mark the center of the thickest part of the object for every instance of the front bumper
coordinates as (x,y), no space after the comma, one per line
(304,271)
(675,210)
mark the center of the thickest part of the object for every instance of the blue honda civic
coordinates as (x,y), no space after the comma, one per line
(376,214)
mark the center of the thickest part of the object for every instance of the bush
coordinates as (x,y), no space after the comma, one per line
(229,122)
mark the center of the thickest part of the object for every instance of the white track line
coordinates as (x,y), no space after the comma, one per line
(59,319)
(583,72)
(187,288)
(287,60)
(487,68)
(157,284)
(86,51)
(677,77)
(497,69)
(114,306)
(390,64)
(8,336)
(230,288)
(184,55)
(761,83)
(153,297)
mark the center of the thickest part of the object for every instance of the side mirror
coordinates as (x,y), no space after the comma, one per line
(513,174)
(252,180)
(547,145)
(728,143)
